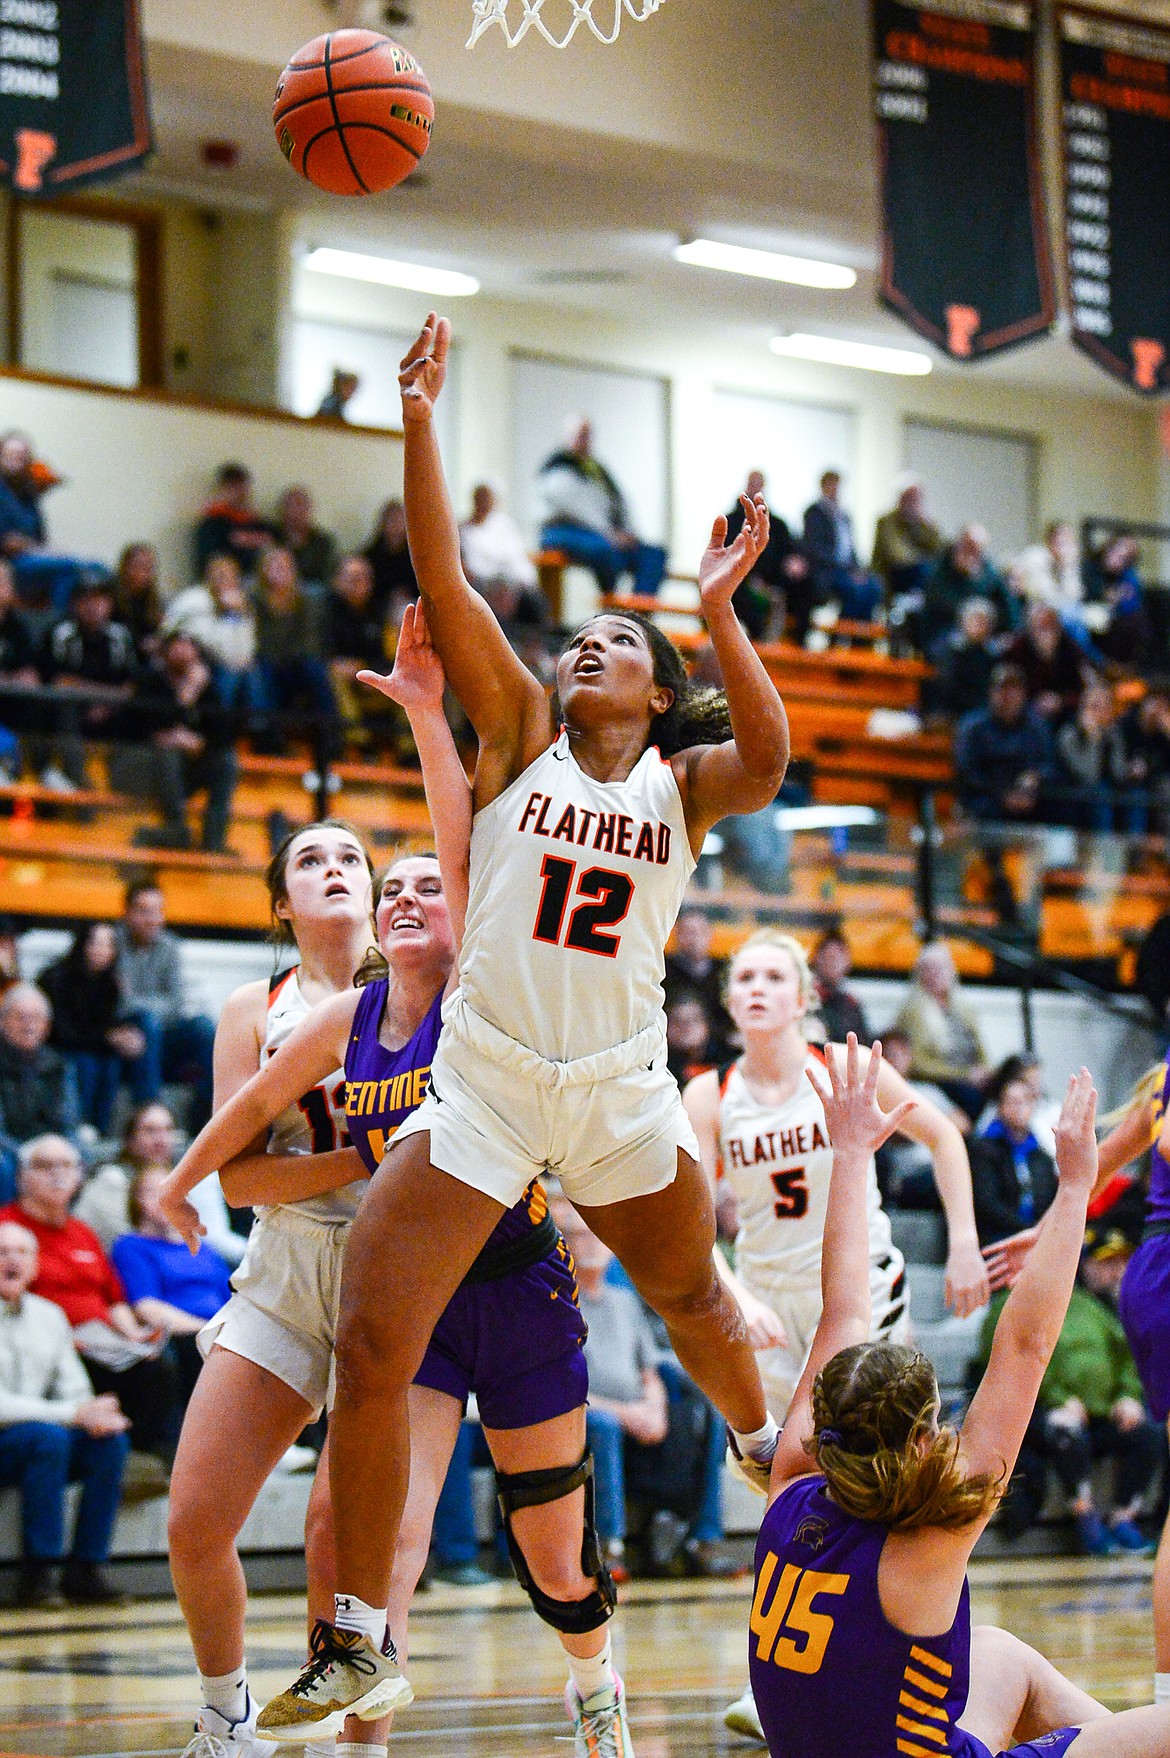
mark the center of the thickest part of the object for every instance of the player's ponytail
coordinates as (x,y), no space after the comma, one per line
(875,1409)
(1142,1096)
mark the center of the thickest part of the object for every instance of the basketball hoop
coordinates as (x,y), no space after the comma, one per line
(486,13)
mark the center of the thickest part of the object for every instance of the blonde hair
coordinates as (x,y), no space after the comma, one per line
(783,943)
(1144,1093)
(874,1411)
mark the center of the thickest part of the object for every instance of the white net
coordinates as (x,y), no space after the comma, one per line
(517,17)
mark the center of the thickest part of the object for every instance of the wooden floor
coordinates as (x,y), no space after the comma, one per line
(489,1677)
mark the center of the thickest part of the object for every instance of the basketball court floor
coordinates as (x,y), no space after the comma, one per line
(114,1684)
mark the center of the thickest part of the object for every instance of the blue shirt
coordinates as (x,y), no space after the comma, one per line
(19,515)
(157,1269)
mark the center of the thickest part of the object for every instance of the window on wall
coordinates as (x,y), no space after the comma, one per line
(84,292)
(318,348)
(792,443)
(975,476)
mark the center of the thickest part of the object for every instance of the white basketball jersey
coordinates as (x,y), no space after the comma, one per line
(316,1123)
(575,886)
(777,1161)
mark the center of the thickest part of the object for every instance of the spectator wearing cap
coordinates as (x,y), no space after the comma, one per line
(1003,753)
(312,547)
(53,1432)
(191,747)
(87,650)
(229,524)
(38,1088)
(905,542)
(837,571)
(963,571)
(585,515)
(179,1041)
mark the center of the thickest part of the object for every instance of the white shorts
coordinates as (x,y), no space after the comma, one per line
(283,1312)
(798,1307)
(609,1126)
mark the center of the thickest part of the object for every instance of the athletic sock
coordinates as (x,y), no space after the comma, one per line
(352,1613)
(355,1749)
(760,1444)
(1162,1687)
(592,1673)
(226,1693)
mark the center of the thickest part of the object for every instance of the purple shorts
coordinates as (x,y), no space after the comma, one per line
(516,1343)
(1053,1745)
(1144,1304)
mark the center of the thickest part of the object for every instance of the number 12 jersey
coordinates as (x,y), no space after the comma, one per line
(575,885)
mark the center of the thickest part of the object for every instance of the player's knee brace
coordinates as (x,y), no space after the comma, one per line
(532,1489)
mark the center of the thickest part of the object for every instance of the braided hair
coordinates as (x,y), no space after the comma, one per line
(875,1407)
(699,714)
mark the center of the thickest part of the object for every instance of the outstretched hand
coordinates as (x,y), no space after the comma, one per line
(727,565)
(417,679)
(856,1122)
(424,368)
(1076,1136)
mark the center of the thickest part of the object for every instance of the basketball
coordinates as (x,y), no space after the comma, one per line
(353,112)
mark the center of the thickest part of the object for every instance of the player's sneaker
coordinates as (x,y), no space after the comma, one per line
(756,1473)
(600,1729)
(344,1675)
(217,1737)
(742,1717)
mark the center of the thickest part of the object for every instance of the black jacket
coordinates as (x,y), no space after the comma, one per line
(86,1005)
(159,709)
(995,1186)
(37,1094)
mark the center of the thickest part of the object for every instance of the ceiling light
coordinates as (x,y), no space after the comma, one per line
(415,277)
(832,351)
(766,265)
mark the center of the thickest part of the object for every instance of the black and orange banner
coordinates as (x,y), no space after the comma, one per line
(73,105)
(965,257)
(1115,87)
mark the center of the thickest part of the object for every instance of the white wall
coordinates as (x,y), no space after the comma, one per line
(977,478)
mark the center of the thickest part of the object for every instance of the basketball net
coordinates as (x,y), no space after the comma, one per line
(486,13)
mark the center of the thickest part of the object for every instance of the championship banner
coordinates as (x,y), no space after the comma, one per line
(965,257)
(1115,85)
(72,92)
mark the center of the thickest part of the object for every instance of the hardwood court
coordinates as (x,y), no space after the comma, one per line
(119,1683)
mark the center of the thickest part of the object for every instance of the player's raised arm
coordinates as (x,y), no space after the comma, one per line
(499,694)
(744,774)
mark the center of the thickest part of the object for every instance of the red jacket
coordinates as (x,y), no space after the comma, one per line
(74,1272)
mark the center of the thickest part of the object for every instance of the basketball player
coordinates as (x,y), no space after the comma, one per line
(513,1333)
(761,1126)
(861,1637)
(553,1049)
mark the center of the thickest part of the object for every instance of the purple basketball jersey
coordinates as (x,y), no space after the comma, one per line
(831,1677)
(1158,1204)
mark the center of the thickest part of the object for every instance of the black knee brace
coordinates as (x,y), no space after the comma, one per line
(531,1489)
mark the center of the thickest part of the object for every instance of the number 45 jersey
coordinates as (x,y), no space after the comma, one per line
(574,887)
(777,1160)
(316,1123)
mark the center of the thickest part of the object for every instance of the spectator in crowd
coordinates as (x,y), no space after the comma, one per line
(1003,753)
(905,1168)
(963,571)
(1053,665)
(290,665)
(691,968)
(497,562)
(388,553)
(121,1355)
(1026,1066)
(1113,577)
(42,577)
(219,617)
(1050,572)
(1090,1407)
(905,543)
(138,600)
(38,1088)
(780,584)
(313,549)
(946,1046)
(53,1432)
(335,402)
(192,747)
(230,524)
(837,1008)
(1145,729)
(1093,789)
(627,1398)
(150,1142)
(170,1289)
(18,672)
(586,517)
(837,572)
(178,1041)
(1013,1179)
(964,661)
(88,649)
(688,1036)
(91,1025)
(356,640)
